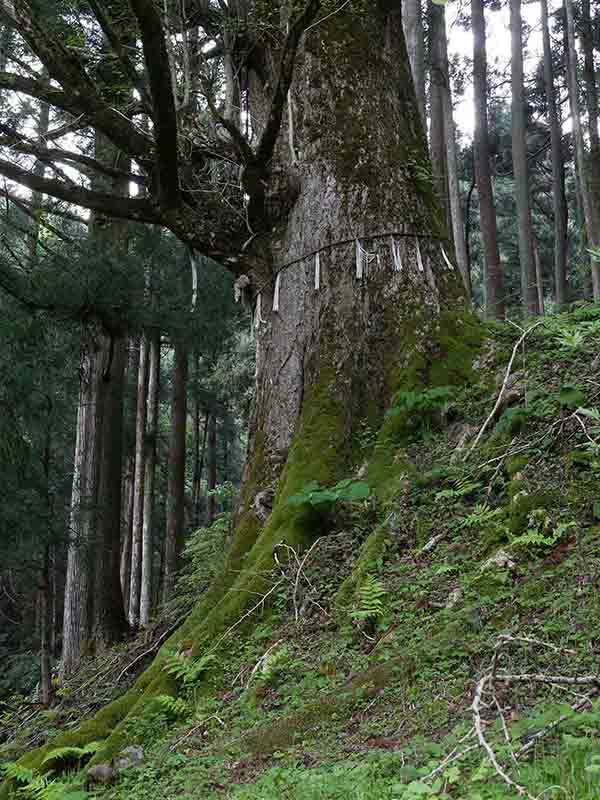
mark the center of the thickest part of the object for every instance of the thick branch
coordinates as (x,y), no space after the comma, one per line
(284,81)
(137,210)
(158,68)
(40,90)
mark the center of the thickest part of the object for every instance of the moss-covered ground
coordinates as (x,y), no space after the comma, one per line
(357,678)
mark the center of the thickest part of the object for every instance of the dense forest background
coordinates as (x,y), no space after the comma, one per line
(127,364)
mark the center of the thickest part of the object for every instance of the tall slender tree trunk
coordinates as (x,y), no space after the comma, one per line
(412,23)
(211,468)
(46,691)
(176,481)
(529,296)
(150,452)
(589,208)
(591,96)
(559,200)
(454,194)
(110,621)
(437,91)
(133,367)
(494,291)
(84,510)
(138,484)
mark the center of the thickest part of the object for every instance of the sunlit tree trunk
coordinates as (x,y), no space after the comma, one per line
(150,453)
(138,485)
(84,507)
(494,292)
(437,92)
(412,23)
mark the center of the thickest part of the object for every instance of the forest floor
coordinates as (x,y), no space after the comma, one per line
(441,644)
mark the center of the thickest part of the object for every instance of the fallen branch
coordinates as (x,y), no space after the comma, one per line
(504,384)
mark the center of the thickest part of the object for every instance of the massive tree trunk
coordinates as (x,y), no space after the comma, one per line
(150,451)
(84,507)
(589,207)
(345,324)
(493,283)
(529,296)
(559,200)
(176,480)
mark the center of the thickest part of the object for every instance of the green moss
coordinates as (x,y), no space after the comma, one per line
(521,506)
(515,464)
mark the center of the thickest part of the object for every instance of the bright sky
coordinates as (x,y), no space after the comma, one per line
(460,42)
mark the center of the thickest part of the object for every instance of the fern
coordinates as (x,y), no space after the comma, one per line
(72,753)
(173,706)
(371,595)
(15,772)
(188,670)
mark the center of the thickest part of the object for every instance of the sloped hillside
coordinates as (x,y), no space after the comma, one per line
(439,638)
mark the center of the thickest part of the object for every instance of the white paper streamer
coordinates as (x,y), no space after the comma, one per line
(276,293)
(318,271)
(258,312)
(447,260)
(360,266)
(396,258)
(419,258)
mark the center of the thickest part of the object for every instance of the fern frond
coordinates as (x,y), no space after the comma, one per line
(371,596)
(174,706)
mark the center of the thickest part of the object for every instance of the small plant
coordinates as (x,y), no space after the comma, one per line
(570,341)
(346,491)
(71,754)
(371,606)
(541,531)
(173,706)
(188,670)
(420,409)
(462,488)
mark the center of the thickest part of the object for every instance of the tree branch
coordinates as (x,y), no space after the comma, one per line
(65,67)
(286,71)
(137,210)
(158,67)
(116,44)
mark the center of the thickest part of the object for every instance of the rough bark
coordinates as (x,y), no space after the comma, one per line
(591,98)
(176,479)
(125,569)
(84,508)
(494,293)
(412,23)
(559,201)
(150,451)
(529,297)
(46,691)
(589,209)
(138,493)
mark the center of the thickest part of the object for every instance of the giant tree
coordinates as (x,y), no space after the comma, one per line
(338,240)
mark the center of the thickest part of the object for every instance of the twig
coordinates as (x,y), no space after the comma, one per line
(245,616)
(504,384)
(476,705)
(453,755)
(551,726)
(300,568)
(586,680)
(151,649)
(261,661)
